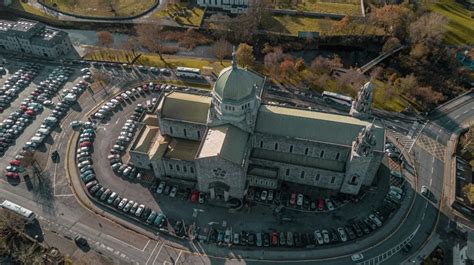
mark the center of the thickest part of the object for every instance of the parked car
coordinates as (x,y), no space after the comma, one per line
(161,187)
(173,191)
(342,234)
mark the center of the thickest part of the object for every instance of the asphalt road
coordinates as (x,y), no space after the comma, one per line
(64,215)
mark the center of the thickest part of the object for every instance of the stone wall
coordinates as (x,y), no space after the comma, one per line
(190,131)
(179,169)
(235,175)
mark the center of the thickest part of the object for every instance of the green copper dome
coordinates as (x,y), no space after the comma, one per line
(235,83)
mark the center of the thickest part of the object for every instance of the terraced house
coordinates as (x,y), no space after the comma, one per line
(225,143)
(32,37)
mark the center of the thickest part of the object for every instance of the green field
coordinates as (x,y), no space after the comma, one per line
(181,14)
(101,8)
(293,24)
(461,24)
(350,7)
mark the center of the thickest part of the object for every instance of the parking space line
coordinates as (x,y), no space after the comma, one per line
(158,253)
(151,254)
(179,255)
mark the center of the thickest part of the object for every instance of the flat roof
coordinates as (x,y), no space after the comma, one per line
(182,149)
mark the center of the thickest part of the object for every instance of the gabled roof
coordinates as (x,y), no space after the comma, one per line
(235,83)
(225,141)
(185,107)
(315,126)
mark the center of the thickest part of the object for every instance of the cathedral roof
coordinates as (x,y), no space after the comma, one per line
(314,126)
(185,107)
(225,141)
(235,83)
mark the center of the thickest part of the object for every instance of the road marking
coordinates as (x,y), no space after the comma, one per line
(63,195)
(158,254)
(180,252)
(457,116)
(125,243)
(153,251)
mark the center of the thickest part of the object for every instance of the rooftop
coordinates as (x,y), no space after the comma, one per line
(226,141)
(185,107)
(182,149)
(235,83)
(315,126)
(24,25)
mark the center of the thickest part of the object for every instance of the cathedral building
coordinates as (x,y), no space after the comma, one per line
(225,143)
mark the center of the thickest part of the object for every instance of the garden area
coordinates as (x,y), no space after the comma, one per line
(182,14)
(460,28)
(101,8)
(349,7)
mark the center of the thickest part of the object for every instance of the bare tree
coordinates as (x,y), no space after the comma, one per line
(149,37)
(105,38)
(429,28)
(221,49)
(131,44)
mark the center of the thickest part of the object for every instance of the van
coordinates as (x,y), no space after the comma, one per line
(44,131)
(50,120)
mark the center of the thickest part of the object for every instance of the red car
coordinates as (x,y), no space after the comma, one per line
(12,175)
(119,98)
(30,113)
(157,87)
(194,196)
(274,239)
(320,204)
(15,163)
(293,198)
(85,144)
(145,88)
(23,107)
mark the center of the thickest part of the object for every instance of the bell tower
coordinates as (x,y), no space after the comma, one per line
(361,161)
(362,106)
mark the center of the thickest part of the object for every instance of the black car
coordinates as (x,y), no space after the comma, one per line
(304,239)
(364,227)
(251,240)
(407,247)
(297,239)
(266,239)
(350,232)
(146,213)
(334,236)
(243,238)
(80,241)
(213,236)
(55,155)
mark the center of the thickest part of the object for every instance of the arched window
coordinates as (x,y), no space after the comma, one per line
(184,131)
(291,148)
(337,156)
(276,146)
(261,144)
(306,150)
(322,153)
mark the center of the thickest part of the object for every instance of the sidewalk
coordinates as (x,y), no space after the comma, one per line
(425,251)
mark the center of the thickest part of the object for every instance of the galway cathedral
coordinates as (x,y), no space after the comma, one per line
(227,142)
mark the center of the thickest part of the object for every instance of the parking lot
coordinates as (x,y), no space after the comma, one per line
(293,222)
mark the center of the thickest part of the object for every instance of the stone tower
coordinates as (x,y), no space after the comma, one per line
(362,106)
(359,167)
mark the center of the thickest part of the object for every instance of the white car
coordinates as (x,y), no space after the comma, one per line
(75,124)
(329,204)
(342,234)
(263,196)
(299,200)
(375,220)
(160,188)
(325,236)
(319,237)
(173,192)
(357,257)
(122,203)
(140,210)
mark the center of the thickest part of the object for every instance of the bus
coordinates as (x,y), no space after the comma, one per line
(22,211)
(188,72)
(337,98)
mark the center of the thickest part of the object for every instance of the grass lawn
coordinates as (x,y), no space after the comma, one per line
(101,8)
(461,24)
(20,5)
(350,7)
(293,24)
(391,103)
(182,14)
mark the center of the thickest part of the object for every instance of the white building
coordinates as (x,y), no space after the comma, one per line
(232,6)
(32,37)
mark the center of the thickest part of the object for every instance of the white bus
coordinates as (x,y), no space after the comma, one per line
(22,211)
(338,98)
(188,72)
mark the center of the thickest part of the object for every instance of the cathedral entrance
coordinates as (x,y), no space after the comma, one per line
(219,190)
